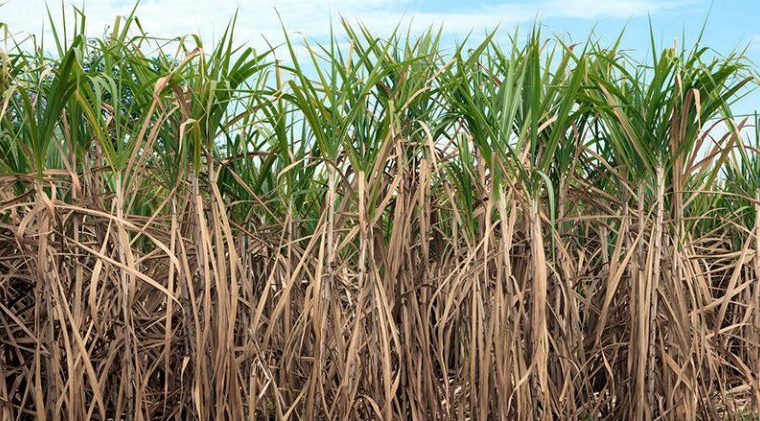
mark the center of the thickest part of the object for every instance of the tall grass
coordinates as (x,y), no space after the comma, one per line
(375,228)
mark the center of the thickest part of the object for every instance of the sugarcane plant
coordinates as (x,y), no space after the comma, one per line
(375,226)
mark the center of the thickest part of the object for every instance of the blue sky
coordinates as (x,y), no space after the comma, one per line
(731,23)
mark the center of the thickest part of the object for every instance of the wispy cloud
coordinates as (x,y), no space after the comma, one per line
(260,18)
(754,42)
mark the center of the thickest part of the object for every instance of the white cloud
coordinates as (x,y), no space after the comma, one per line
(754,41)
(258,18)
